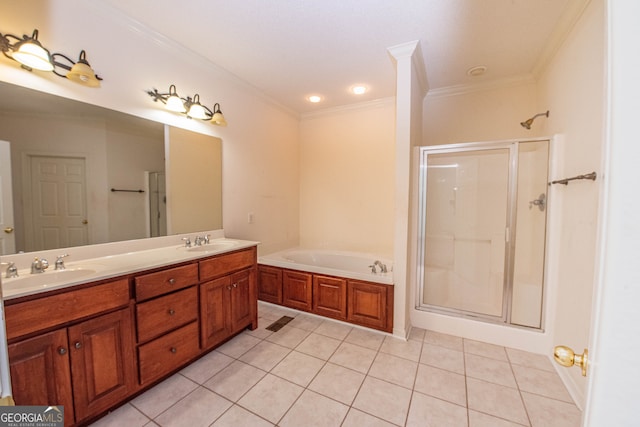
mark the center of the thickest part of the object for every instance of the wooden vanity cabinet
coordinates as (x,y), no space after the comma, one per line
(228,297)
(297,290)
(370,304)
(88,366)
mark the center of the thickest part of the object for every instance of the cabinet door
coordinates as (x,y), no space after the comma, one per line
(40,372)
(102,362)
(241,309)
(370,305)
(215,324)
(270,284)
(296,290)
(330,297)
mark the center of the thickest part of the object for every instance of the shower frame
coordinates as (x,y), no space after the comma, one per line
(510,233)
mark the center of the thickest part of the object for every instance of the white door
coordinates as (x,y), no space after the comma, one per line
(56,216)
(7,232)
(612,389)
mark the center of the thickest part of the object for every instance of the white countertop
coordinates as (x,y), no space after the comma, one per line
(99,262)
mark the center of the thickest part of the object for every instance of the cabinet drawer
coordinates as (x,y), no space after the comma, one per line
(31,316)
(166,313)
(167,353)
(224,264)
(162,282)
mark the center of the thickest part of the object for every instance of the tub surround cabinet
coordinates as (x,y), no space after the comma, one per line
(93,346)
(363,303)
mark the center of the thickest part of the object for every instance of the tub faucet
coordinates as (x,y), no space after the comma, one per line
(39,265)
(383,267)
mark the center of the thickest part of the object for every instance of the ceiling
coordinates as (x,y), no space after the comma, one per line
(289,49)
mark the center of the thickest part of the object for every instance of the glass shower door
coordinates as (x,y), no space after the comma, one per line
(464,214)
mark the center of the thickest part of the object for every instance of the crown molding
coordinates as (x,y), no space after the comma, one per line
(365,105)
(479,87)
(413,50)
(166,43)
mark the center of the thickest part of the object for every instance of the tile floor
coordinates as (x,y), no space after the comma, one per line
(316,372)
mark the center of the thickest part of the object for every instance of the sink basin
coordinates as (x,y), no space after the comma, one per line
(48,279)
(212,247)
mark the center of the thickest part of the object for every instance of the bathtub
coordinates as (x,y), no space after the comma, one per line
(349,265)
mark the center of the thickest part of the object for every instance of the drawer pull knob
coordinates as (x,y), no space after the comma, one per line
(78,345)
(174,350)
(172,281)
(235,285)
(62,351)
(228,288)
(171,312)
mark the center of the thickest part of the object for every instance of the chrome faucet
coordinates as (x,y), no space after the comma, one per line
(206,239)
(187,242)
(199,241)
(12,270)
(39,265)
(60,262)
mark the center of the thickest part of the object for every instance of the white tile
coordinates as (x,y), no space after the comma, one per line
(265,355)
(333,329)
(338,383)
(157,399)
(485,349)
(491,370)
(545,412)
(478,419)
(125,415)
(429,411)
(497,400)
(261,332)
(406,349)
(199,409)
(288,336)
(306,322)
(238,345)
(235,380)
(314,410)
(356,418)
(442,384)
(353,357)
(530,360)
(298,368)
(443,358)
(271,398)
(206,367)
(443,340)
(394,369)
(369,339)
(237,416)
(384,400)
(319,346)
(540,382)
(417,334)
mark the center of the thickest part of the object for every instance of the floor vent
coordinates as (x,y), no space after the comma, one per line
(278,324)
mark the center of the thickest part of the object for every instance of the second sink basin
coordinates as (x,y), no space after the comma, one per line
(32,282)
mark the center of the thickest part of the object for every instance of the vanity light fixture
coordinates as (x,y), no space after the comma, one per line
(191,107)
(30,53)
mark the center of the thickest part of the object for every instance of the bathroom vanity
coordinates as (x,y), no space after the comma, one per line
(94,344)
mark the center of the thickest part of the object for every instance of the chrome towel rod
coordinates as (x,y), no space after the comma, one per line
(127,191)
(591,176)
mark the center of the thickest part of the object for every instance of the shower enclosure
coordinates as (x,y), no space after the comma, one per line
(157,204)
(482,226)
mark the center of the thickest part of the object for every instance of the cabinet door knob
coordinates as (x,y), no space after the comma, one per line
(235,285)
(172,281)
(174,350)
(171,312)
(62,351)
(78,345)
(228,288)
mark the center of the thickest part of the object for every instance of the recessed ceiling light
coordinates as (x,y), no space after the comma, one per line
(476,71)
(359,89)
(314,98)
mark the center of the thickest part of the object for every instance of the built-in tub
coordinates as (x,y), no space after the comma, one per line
(349,265)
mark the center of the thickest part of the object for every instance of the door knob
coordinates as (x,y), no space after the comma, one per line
(565,356)
(8,230)
(85,221)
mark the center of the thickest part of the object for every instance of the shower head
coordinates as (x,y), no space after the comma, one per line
(527,123)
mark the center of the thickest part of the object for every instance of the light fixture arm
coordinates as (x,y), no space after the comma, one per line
(81,60)
(187,102)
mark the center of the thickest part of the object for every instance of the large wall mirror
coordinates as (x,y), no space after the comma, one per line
(81,174)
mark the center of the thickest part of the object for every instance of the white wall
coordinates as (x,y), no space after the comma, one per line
(260,152)
(572,88)
(346,179)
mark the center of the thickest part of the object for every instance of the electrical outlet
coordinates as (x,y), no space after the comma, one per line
(250,218)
